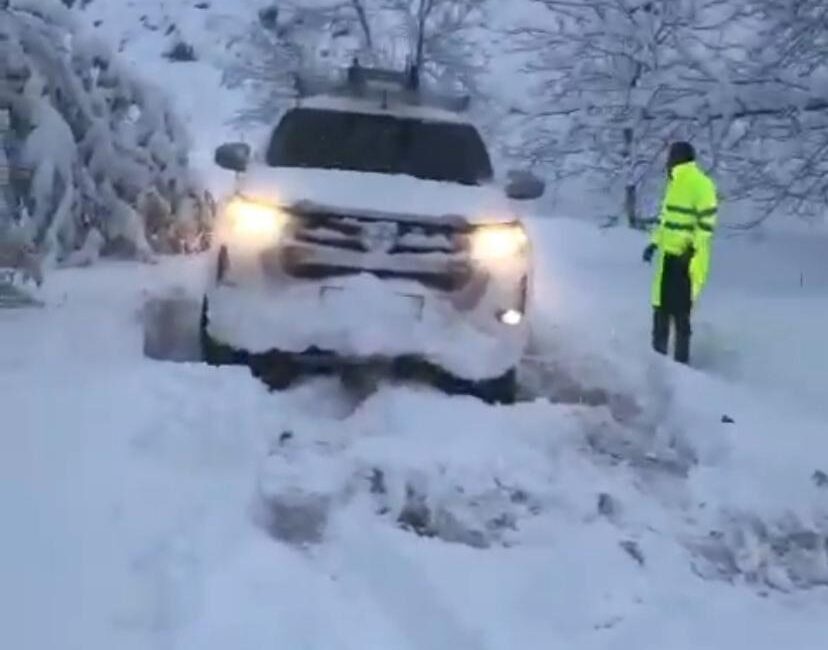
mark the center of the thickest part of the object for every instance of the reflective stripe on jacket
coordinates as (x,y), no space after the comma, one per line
(686,225)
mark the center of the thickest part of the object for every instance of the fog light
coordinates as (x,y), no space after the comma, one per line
(511,317)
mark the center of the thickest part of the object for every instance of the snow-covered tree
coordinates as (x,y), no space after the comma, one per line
(317,33)
(776,136)
(99,160)
(746,82)
(287,37)
(619,80)
(439,36)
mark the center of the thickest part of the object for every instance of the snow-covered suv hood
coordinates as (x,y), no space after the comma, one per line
(383,193)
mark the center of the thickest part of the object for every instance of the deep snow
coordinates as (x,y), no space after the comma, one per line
(611,509)
(139,496)
(363,317)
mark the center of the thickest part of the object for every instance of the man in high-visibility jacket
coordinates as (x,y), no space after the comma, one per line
(682,241)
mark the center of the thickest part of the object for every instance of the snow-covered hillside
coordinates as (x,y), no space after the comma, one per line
(624,502)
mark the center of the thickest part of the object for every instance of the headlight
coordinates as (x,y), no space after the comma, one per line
(498,242)
(255,221)
(511,317)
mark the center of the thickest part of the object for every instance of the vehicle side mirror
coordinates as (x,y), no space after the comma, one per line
(524,186)
(233,156)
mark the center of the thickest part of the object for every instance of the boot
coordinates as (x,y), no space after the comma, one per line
(661,330)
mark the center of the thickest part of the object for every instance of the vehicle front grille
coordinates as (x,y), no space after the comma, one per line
(360,233)
(324,244)
(450,280)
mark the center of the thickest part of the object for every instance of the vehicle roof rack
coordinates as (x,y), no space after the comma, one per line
(384,85)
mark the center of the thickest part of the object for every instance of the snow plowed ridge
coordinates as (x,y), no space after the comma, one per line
(453,479)
(496,477)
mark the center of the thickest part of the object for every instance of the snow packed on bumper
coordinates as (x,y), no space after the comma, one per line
(365,318)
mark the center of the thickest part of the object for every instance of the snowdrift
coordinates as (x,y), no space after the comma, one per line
(624,503)
(613,507)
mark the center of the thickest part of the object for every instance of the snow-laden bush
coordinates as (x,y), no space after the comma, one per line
(99,161)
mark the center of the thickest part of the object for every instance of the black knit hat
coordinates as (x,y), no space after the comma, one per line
(680,152)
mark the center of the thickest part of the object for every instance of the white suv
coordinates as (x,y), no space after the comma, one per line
(368,230)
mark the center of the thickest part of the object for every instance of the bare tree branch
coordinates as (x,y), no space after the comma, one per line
(362,16)
(746,81)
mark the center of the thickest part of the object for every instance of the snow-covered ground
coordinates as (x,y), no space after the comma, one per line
(151,504)
(759,321)
(176,506)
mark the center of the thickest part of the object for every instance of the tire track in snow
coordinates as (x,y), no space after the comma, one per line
(399,588)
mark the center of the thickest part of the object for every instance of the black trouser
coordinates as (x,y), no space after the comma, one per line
(675,307)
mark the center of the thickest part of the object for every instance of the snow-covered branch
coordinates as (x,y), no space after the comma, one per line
(746,82)
(99,160)
(781,160)
(436,34)
(613,74)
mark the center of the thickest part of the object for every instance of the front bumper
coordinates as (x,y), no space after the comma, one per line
(364,318)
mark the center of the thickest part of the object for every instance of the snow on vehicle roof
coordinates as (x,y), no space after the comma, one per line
(371,107)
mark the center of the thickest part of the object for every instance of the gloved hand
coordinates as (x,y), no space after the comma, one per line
(648,253)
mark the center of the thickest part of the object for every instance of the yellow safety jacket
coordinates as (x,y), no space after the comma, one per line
(688,219)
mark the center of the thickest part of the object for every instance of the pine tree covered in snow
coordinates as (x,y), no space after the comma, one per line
(100,163)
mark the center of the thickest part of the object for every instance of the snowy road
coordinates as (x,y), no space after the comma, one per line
(132,490)
(159,506)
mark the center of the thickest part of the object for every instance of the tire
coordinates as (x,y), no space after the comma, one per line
(213,353)
(500,390)
(278,371)
(361,380)
(497,390)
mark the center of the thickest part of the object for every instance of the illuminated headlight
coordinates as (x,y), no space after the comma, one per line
(498,242)
(255,222)
(511,317)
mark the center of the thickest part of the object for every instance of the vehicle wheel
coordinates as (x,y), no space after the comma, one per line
(501,390)
(278,371)
(361,380)
(212,352)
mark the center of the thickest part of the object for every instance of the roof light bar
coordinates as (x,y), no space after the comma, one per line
(382,84)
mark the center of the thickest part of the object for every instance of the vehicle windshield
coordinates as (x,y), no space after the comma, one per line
(386,144)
